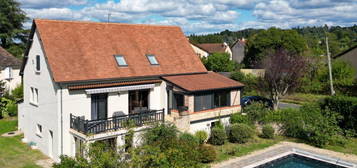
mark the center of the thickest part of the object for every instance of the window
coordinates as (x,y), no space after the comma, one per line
(178,100)
(8,73)
(39,130)
(152,59)
(99,106)
(120,60)
(38,67)
(205,101)
(34,96)
(138,101)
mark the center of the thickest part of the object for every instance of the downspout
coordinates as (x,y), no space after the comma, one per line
(61,120)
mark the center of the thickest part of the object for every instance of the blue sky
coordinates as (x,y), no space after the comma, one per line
(200,16)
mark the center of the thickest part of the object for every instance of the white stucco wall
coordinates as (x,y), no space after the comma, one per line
(199,52)
(45,112)
(11,84)
(206,125)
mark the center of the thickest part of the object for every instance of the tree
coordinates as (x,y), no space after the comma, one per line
(219,62)
(283,71)
(11,27)
(260,44)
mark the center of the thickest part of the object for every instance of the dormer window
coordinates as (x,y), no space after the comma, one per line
(120,60)
(152,59)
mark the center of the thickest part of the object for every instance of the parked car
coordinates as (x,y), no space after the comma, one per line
(247,100)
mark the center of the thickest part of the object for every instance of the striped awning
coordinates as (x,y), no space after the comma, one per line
(118,89)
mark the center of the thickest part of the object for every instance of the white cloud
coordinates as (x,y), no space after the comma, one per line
(55,13)
(50,3)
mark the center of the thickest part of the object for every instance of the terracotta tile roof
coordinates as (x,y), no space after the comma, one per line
(99,85)
(78,51)
(213,47)
(201,82)
(8,60)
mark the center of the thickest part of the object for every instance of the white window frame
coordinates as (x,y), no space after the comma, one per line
(8,73)
(34,96)
(39,130)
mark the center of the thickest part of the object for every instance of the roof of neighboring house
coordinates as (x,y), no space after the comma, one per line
(212,47)
(84,51)
(344,52)
(8,60)
(202,82)
(239,41)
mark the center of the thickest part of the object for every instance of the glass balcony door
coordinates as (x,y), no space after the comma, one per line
(99,109)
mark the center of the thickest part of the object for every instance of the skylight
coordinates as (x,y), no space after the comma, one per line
(152,60)
(120,60)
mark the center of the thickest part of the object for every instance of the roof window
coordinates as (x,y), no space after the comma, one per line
(152,59)
(120,60)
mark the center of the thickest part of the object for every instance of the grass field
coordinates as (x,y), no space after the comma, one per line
(14,153)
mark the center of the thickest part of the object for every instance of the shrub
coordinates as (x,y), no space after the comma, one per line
(344,106)
(11,108)
(189,138)
(256,112)
(201,136)
(240,133)
(207,153)
(268,132)
(161,135)
(239,118)
(218,136)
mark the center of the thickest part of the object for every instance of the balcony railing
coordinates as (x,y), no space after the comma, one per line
(114,123)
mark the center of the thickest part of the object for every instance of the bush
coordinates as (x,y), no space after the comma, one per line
(240,133)
(207,153)
(344,106)
(201,136)
(11,108)
(239,118)
(256,112)
(161,135)
(268,132)
(189,138)
(218,136)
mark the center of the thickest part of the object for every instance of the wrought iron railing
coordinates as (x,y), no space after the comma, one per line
(114,123)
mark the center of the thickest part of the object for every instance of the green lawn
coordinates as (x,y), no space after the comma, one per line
(301,98)
(350,147)
(226,151)
(14,153)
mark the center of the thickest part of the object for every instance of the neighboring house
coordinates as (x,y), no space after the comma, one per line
(84,81)
(206,49)
(238,50)
(9,69)
(349,56)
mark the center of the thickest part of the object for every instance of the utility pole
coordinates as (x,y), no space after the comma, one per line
(329,65)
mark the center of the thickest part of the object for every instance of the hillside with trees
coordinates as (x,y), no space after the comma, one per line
(340,38)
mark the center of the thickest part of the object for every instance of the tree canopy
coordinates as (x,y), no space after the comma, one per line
(260,44)
(219,62)
(12,33)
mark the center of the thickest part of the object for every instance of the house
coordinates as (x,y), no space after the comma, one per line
(238,50)
(206,49)
(9,70)
(349,56)
(85,81)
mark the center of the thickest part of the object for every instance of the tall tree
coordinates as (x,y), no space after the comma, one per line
(12,33)
(219,62)
(260,44)
(283,71)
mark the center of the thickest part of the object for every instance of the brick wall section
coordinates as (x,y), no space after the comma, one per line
(235,97)
(189,102)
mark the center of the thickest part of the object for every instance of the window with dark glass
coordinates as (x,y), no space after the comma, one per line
(99,106)
(38,68)
(177,101)
(138,101)
(205,101)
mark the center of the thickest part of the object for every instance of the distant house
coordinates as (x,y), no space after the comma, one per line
(206,49)
(85,81)
(238,50)
(9,69)
(349,56)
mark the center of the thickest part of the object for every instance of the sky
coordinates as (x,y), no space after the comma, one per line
(200,16)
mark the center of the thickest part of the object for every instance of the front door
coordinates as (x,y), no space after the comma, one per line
(99,106)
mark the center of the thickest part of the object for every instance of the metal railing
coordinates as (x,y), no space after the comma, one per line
(114,123)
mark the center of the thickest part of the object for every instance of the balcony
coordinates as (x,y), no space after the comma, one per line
(115,123)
